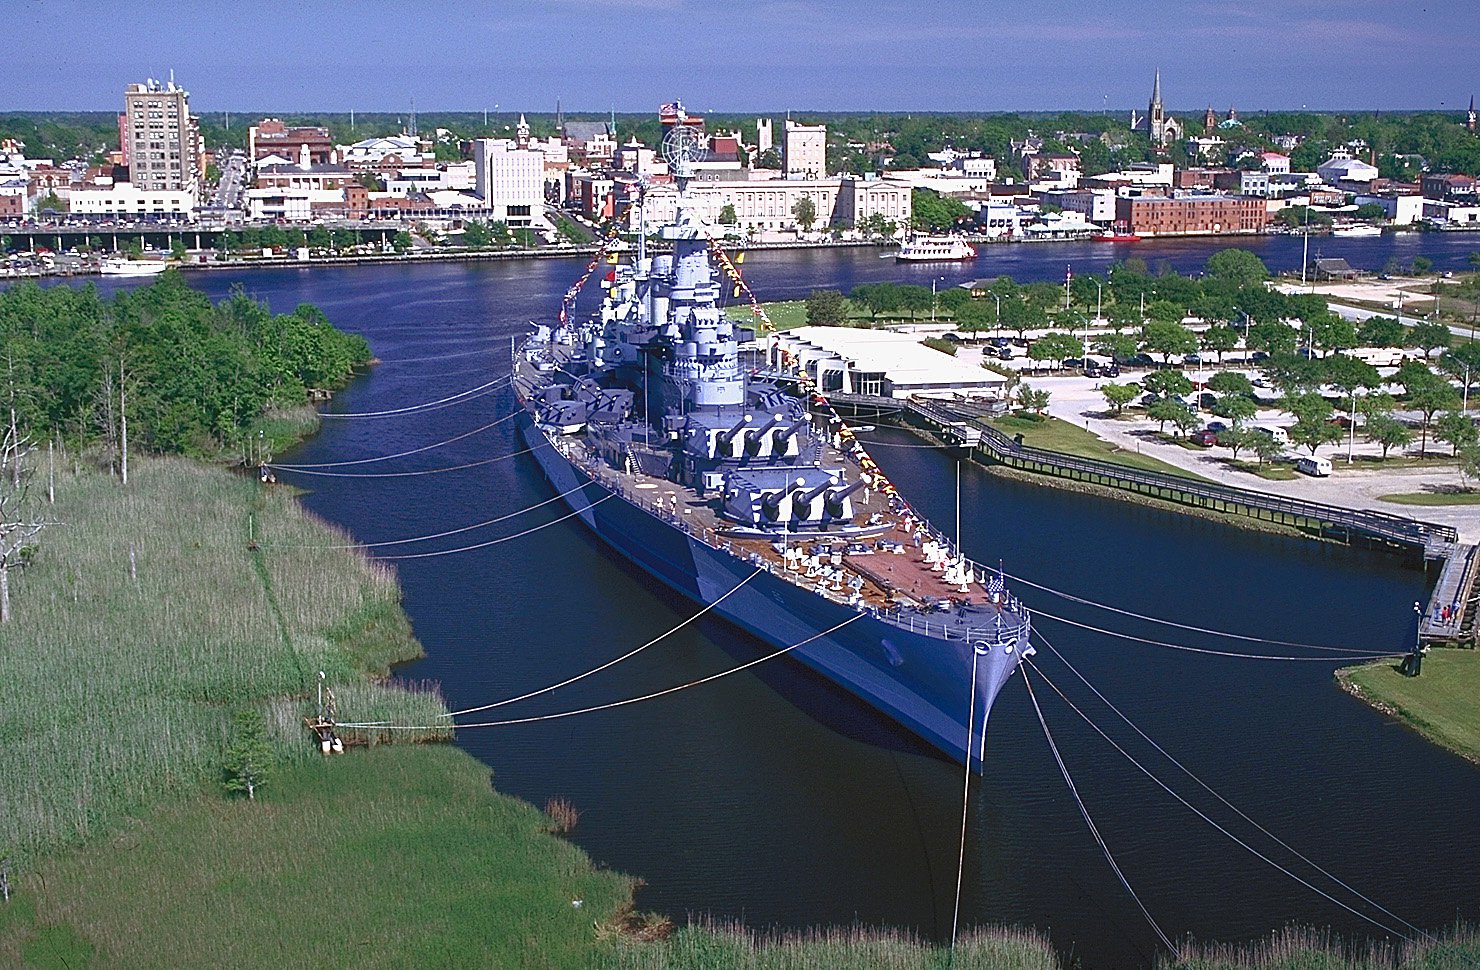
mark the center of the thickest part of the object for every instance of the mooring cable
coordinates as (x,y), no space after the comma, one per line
(1208,788)
(610,663)
(404,474)
(404,454)
(501,539)
(1207,818)
(1350,658)
(493,344)
(438,535)
(612,704)
(1094,830)
(1172,623)
(459,398)
(965,794)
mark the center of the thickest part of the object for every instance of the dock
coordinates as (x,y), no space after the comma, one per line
(1448,618)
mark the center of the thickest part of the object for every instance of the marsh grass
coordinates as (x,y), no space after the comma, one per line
(396,856)
(723,946)
(1301,948)
(117,690)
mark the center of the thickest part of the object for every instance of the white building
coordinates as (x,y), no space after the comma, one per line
(1402,210)
(769,206)
(996,220)
(510,181)
(457,177)
(1450,215)
(804,151)
(881,363)
(289,204)
(127,199)
(1274,163)
(1096,205)
(1343,170)
(393,151)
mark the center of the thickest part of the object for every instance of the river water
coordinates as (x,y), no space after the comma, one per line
(773,797)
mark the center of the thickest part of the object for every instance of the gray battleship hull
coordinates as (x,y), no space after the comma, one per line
(914,678)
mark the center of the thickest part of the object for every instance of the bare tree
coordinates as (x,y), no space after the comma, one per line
(17,533)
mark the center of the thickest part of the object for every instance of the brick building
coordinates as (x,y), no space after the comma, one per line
(1191,215)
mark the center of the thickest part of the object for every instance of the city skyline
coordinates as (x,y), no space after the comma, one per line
(598,55)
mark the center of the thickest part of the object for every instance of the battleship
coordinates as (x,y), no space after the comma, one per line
(737,484)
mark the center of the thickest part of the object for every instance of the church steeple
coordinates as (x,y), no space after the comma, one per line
(1156,115)
(1210,121)
(1470,116)
(521,133)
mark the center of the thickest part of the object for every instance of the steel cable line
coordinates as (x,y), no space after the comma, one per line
(411,474)
(371,725)
(1207,788)
(1204,650)
(1094,830)
(458,398)
(438,535)
(1206,818)
(403,454)
(501,539)
(493,344)
(609,663)
(1172,623)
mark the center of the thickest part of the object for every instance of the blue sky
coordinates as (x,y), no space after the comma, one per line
(772,55)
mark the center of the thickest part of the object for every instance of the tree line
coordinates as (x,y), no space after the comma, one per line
(187,376)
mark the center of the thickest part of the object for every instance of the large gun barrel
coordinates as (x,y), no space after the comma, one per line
(810,496)
(754,436)
(781,436)
(728,436)
(771,501)
(835,496)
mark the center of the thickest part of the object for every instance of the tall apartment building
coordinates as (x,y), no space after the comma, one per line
(160,140)
(804,151)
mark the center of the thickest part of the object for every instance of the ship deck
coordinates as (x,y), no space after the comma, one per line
(883,559)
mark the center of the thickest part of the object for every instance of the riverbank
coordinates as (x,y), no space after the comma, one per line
(150,614)
(1442,704)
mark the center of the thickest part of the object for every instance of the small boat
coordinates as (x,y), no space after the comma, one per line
(1119,232)
(132,267)
(932,249)
(1356,231)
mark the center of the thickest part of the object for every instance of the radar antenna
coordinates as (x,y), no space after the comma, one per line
(682,147)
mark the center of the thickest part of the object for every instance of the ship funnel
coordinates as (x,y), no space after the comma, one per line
(728,436)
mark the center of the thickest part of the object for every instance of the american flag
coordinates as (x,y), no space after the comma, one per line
(996,586)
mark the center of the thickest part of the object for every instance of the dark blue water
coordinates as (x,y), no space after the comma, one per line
(774,797)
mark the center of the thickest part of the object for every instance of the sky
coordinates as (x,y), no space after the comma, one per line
(738,56)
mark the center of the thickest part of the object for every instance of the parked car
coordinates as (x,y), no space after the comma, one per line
(1319,467)
(1217,427)
(1004,353)
(1205,438)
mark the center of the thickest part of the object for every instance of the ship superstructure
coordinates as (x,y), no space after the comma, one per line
(752,494)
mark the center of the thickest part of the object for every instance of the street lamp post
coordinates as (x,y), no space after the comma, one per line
(997,330)
(938,279)
(1099,302)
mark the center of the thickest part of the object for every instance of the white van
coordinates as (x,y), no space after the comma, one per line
(1319,467)
(1274,431)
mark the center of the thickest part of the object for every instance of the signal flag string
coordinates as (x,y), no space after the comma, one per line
(1093,829)
(1206,818)
(438,535)
(1210,652)
(1205,786)
(610,663)
(403,454)
(371,725)
(459,398)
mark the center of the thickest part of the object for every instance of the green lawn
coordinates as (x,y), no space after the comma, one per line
(1432,498)
(1052,434)
(1443,704)
(392,856)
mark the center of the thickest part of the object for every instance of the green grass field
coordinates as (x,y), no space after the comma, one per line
(1052,434)
(1432,498)
(1443,704)
(392,856)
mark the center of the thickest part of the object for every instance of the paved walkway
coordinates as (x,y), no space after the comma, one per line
(1078,401)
